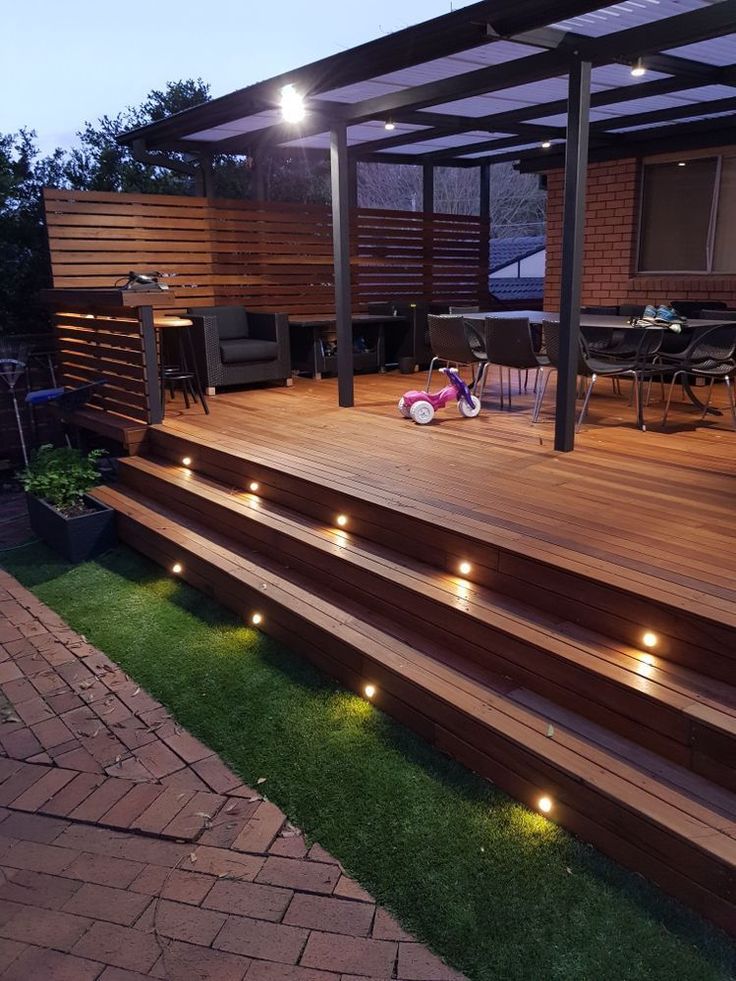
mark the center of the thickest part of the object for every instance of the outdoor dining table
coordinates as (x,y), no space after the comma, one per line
(607,322)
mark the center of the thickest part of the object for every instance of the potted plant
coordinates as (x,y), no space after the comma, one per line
(61,513)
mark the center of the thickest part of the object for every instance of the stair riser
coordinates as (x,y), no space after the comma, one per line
(659,727)
(608,823)
(684,637)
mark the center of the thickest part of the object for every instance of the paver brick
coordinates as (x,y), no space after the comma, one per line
(216,775)
(416,963)
(34,710)
(299,874)
(51,732)
(33,827)
(162,810)
(53,780)
(125,811)
(100,800)
(103,870)
(21,744)
(385,927)
(158,759)
(178,885)
(9,951)
(46,928)
(191,750)
(38,964)
(78,759)
(121,844)
(349,889)
(104,903)
(180,921)
(330,915)
(73,794)
(38,857)
(261,830)
(258,938)
(199,812)
(187,962)
(291,847)
(220,861)
(249,899)
(134,950)
(331,951)
(121,974)
(36,888)
(265,971)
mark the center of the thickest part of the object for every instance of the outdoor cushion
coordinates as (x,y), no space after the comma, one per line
(243,350)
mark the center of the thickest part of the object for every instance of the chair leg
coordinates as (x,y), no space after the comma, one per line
(669,397)
(708,400)
(541,393)
(731,398)
(586,400)
(509,378)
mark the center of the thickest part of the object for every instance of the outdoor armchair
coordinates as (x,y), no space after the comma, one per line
(235,346)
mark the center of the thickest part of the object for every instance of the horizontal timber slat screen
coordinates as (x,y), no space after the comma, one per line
(93,347)
(266,256)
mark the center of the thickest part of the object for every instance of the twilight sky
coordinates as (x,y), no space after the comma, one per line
(67,62)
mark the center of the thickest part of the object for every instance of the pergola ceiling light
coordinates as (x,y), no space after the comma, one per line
(638,69)
(389,125)
(292,105)
(546,144)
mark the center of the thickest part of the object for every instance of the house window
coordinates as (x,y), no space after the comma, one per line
(688,216)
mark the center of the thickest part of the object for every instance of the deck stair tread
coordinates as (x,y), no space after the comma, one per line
(507,526)
(580,654)
(661,800)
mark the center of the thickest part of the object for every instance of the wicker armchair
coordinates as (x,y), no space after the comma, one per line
(234,346)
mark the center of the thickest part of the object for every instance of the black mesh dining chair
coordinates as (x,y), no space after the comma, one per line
(509,343)
(455,341)
(711,356)
(637,368)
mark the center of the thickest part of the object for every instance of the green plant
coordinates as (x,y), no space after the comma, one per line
(61,476)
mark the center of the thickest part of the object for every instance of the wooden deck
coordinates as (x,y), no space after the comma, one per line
(532,667)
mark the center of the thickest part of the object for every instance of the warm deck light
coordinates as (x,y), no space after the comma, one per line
(256,619)
(546,144)
(389,125)
(177,568)
(253,486)
(545,804)
(681,163)
(638,69)
(341,520)
(369,691)
(186,461)
(292,105)
(649,639)
(465,568)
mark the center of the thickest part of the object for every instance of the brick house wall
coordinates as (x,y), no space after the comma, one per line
(611,228)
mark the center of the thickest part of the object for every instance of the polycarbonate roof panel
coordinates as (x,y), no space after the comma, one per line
(485,153)
(494,53)
(652,103)
(236,127)
(360,133)
(690,119)
(628,13)
(719,51)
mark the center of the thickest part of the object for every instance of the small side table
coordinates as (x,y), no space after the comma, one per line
(186,372)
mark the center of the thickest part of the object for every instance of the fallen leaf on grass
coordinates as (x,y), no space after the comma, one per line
(261,780)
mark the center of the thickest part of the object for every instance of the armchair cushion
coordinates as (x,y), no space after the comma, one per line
(241,350)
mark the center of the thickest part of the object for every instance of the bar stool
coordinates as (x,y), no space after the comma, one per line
(178,363)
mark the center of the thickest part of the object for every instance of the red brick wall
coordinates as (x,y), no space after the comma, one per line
(611,226)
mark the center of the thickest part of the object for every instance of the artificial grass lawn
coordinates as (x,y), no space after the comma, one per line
(499,892)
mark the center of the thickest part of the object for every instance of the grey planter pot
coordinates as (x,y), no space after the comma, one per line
(79,538)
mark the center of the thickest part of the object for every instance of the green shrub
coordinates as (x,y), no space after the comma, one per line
(61,476)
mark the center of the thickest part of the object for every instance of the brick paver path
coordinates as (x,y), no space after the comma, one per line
(128,850)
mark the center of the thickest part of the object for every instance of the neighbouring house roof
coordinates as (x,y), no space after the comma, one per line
(487,83)
(517,289)
(504,251)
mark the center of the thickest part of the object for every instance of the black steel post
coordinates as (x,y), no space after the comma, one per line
(341,249)
(573,229)
(485,191)
(428,189)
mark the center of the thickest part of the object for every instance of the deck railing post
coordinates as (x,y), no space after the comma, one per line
(341,251)
(150,365)
(484,294)
(573,230)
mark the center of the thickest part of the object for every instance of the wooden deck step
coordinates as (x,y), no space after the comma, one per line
(688,718)
(675,827)
(693,630)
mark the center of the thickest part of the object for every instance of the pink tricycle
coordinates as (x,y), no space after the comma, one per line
(421,406)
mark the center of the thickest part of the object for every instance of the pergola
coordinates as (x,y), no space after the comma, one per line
(548,83)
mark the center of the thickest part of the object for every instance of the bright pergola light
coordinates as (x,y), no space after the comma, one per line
(546,144)
(292,105)
(638,69)
(389,125)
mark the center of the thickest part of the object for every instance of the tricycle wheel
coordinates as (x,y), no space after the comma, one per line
(422,413)
(470,412)
(403,408)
